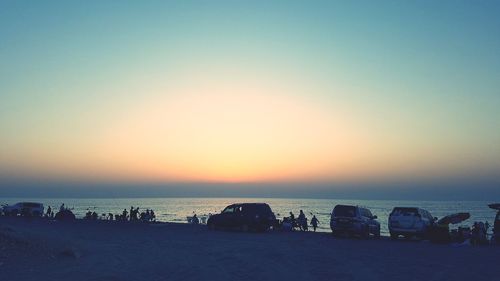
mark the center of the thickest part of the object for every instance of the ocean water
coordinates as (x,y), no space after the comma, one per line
(178,209)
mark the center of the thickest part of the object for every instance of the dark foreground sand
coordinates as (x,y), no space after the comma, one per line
(86,250)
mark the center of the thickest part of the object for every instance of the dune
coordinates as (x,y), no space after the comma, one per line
(38,249)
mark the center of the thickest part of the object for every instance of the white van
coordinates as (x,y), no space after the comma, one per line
(410,222)
(24,209)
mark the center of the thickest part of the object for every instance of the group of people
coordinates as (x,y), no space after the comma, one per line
(50,212)
(291,223)
(134,215)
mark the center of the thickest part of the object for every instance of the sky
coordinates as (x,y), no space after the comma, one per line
(312,98)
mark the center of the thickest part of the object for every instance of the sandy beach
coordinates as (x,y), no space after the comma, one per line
(99,250)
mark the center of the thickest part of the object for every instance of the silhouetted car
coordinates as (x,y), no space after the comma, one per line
(354,220)
(245,216)
(24,209)
(410,222)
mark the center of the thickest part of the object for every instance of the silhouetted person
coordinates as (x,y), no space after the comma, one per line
(88,215)
(110,216)
(314,222)
(195,219)
(124,214)
(49,211)
(302,221)
(496,228)
(62,208)
(153,216)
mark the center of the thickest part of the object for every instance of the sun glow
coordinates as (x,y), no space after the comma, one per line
(237,131)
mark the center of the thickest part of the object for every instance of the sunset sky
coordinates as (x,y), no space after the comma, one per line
(256,92)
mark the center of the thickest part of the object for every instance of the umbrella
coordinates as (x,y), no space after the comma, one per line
(454,218)
(495,206)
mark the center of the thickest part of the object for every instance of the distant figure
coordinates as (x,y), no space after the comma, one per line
(302,220)
(496,228)
(195,220)
(62,208)
(153,216)
(110,216)
(124,214)
(136,213)
(94,216)
(314,222)
(286,225)
(49,212)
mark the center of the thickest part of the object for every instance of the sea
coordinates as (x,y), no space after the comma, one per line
(179,209)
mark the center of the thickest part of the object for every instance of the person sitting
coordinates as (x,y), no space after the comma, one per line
(88,215)
(286,225)
(195,220)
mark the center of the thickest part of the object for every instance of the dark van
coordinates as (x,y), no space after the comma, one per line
(354,220)
(244,216)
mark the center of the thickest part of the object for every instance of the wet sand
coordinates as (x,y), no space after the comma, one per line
(38,249)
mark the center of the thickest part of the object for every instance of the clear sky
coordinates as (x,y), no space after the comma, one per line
(256,92)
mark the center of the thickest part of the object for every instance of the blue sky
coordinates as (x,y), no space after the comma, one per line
(262,91)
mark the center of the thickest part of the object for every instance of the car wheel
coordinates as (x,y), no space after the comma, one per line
(211,226)
(366,232)
(245,228)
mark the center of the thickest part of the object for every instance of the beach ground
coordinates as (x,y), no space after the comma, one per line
(37,249)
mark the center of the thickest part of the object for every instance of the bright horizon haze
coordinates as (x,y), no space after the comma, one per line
(225,98)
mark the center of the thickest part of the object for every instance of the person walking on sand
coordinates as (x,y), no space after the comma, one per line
(314,222)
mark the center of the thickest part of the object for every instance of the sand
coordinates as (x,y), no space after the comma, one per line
(38,249)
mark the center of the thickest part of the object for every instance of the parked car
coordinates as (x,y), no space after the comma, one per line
(245,216)
(354,220)
(410,222)
(24,209)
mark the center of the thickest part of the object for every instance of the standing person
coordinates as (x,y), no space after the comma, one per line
(302,221)
(292,220)
(314,222)
(124,214)
(496,227)
(62,208)
(153,216)
(49,211)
